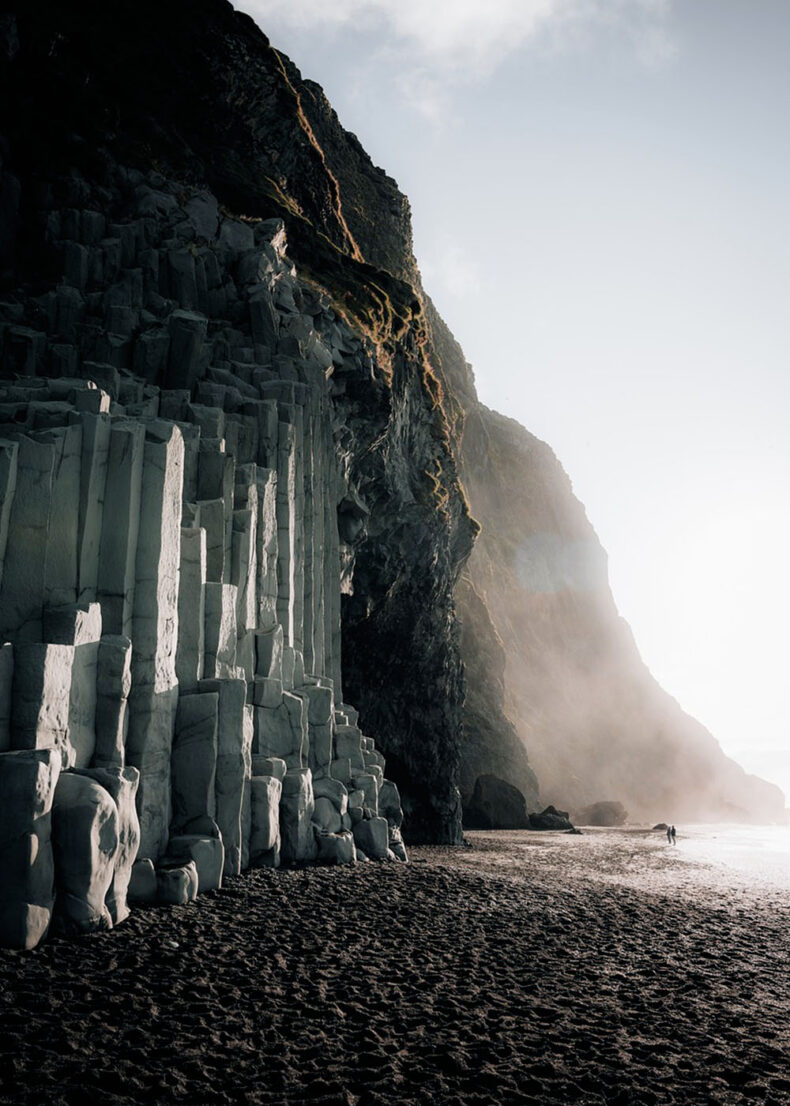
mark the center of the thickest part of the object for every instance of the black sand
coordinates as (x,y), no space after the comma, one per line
(529,968)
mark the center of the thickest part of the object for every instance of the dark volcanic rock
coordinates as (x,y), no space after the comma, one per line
(496,804)
(220,114)
(550,819)
(604,814)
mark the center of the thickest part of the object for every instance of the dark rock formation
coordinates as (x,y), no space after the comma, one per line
(221,110)
(606,813)
(231,424)
(551,819)
(496,804)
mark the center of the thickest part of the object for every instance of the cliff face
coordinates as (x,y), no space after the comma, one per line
(596,724)
(231,429)
(220,109)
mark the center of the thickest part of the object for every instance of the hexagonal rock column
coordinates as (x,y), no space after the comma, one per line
(266,792)
(120,527)
(24,568)
(194,762)
(234,769)
(41,695)
(113,684)
(296,814)
(79,627)
(154,693)
(27,788)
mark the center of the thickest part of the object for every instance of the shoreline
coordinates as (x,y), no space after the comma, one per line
(529,968)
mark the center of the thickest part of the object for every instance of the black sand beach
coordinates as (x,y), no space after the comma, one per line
(527,968)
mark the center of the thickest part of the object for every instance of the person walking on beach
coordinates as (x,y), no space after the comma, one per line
(672,835)
(669,835)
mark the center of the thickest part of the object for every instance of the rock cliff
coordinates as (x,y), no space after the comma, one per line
(231,431)
(596,724)
(229,499)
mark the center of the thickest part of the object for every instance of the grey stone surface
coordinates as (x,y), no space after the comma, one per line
(86,843)
(268,766)
(177,886)
(155,624)
(121,784)
(190,650)
(41,696)
(368,784)
(220,631)
(372,837)
(296,813)
(206,853)
(389,803)
(113,684)
(24,567)
(142,882)
(194,759)
(234,769)
(120,527)
(27,789)
(266,792)
(336,848)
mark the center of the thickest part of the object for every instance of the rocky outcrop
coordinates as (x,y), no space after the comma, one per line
(604,813)
(230,426)
(496,804)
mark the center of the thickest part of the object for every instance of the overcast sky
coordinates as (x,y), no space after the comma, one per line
(600,194)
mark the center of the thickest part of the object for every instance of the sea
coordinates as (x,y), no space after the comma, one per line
(762,852)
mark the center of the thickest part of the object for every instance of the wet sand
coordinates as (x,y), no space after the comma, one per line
(528,968)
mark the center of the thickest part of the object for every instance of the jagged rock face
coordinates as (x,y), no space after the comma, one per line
(230,125)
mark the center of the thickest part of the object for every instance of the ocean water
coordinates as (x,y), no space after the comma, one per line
(762,852)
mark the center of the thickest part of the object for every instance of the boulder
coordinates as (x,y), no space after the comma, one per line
(327,816)
(142,882)
(121,784)
(607,813)
(86,842)
(177,886)
(496,804)
(27,788)
(336,848)
(389,803)
(333,790)
(396,844)
(206,853)
(372,837)
(550,819)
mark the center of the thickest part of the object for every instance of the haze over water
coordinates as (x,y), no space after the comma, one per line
(599,192)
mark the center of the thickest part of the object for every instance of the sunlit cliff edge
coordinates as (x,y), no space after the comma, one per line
(466,654)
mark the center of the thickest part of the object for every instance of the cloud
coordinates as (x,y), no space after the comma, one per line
(436,43)
(451,269)
(455,34)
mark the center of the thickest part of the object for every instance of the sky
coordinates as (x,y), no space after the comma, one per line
(600,194)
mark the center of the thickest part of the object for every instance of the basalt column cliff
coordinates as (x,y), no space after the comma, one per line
(212,457)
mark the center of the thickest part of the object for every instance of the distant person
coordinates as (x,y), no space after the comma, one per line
(669,835)
(673,835)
